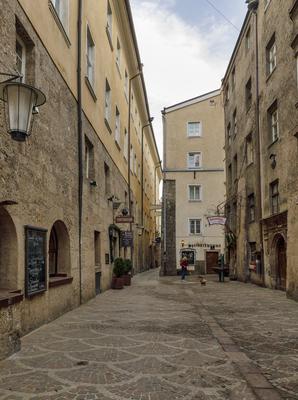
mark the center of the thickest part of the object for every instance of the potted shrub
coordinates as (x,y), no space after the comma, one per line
(118,271)
(127,272)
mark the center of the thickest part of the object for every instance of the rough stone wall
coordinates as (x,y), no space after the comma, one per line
(169,266)
(281,85)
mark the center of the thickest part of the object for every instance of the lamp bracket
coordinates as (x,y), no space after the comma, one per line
(12,77)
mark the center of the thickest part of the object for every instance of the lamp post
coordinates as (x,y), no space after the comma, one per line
(22,101)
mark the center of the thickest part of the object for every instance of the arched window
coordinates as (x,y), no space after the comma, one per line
(8,252)
(59,251)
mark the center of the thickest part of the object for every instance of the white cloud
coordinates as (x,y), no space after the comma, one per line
(180,60)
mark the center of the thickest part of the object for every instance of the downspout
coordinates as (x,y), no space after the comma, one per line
(259,152)
(80,138)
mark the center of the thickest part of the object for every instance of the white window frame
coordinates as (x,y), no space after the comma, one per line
(110,20)
(62,10)
(107,101)
(125,148)
(267,2)
(118,53)
(271,56)
(22,58)
(117,126)
(90,57)
(194,133)
(189,193)
(196,233)
(197,154)
(249,150)
(274,125)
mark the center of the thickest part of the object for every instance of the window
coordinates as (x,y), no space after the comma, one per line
(267,2)
(194,226)
(227,93)
(235,122)
(194,129)
(248,39)
(271,56)
(59,251)
(248,94)
(139,172)
(125,149)
(229,174)
(117,127)
(118,53)
(194,160)
(109,22)
(62,10)
(249,150)
(297,69)
(126,84)
(107,179)
(107,102)
(251,207)
(233,78)
(235,167)
(274,197)
(21,58)
(273,122)
(229,134)
(131,158)
(90,57)
(194,193)
(89,159)
(135,165)
(253,251)
(97,249)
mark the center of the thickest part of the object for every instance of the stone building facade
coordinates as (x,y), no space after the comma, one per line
(193,183)
(63,188)
(260,101)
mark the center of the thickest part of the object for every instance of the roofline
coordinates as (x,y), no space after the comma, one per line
(192,101)
(135,41)
(236,48)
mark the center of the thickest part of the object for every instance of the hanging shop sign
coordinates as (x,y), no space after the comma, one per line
(124,219)
(126,239)
(217,220)
(36,251)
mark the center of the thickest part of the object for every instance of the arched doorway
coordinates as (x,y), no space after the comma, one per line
(8,252)
(281,263)
(59,250)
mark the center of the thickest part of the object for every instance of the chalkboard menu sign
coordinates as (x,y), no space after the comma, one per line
(190,255)
(36,245)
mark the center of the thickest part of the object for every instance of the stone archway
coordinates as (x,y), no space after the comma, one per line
(280,262)
(8,252)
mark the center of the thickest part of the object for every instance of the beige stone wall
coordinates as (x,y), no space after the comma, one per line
(211,176)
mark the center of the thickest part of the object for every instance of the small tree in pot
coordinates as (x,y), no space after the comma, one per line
(127,272)
(118,271)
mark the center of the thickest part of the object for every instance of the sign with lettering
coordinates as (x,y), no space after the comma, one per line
(35,263)
(124,219)
(126,239)
(216,220)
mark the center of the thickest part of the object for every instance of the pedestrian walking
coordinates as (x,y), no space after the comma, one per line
(183,264)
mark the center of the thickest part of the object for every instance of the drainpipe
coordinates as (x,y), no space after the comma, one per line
(80,138)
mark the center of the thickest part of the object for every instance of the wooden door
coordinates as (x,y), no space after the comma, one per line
(211,261)
(281,265)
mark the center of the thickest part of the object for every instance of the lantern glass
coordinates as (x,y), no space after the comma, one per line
(20,100)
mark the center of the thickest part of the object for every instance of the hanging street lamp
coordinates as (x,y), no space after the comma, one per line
(21,101)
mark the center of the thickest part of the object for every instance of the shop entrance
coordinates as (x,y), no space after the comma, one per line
(211,261)
(281,264)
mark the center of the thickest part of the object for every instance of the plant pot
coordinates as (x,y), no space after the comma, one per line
(127,280)
(117,283)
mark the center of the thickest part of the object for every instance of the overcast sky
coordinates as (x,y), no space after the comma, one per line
(185,46)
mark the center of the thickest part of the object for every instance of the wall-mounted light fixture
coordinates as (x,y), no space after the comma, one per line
(21,103)
(273,160)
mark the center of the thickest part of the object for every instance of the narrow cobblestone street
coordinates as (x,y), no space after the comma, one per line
(162,339)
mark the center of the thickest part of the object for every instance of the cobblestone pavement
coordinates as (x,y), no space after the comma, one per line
(162,339)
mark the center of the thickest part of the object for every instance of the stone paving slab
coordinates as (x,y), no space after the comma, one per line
(163,340)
